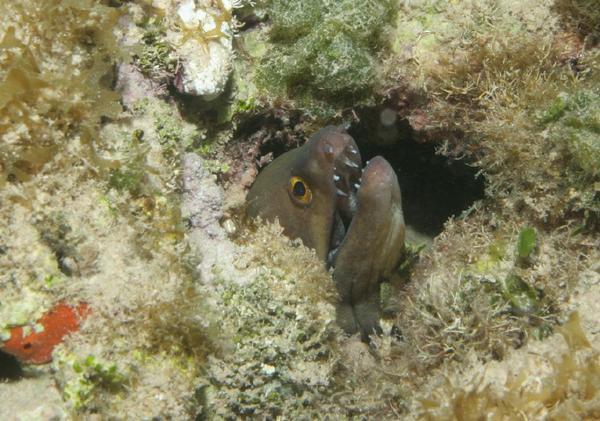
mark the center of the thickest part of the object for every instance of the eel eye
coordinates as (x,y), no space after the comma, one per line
(299,191)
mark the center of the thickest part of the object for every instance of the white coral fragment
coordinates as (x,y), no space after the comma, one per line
(205,50)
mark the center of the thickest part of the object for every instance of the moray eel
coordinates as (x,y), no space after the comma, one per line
(351,217)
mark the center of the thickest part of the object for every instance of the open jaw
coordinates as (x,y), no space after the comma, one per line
(370,250)
(350,216)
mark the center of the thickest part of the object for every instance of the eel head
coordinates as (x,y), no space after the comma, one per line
(351,217)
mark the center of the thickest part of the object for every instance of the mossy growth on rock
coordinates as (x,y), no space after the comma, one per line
(39,106)
(555,380)
(278,333)
(282,360)
(571,125)
(474,293)
(156,57)
(581,16)
(494,84)
(324,55)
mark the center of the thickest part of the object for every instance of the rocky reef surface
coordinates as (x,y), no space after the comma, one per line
(130,132)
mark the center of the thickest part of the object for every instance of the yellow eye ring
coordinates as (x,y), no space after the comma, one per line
(299,191)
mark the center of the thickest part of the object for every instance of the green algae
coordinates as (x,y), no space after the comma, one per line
(523,299)
(91,374)
(156,58)
(129,179)
(526,243)
(324,56)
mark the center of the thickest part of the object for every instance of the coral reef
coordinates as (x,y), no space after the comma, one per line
(323,55)
(118,192)
(89,203)
(502,82)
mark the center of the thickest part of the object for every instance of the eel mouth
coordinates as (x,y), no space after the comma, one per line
(355,184)
(369,250)
(343,156)
(352,182)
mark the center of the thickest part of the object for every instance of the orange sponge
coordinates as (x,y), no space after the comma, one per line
(37,347)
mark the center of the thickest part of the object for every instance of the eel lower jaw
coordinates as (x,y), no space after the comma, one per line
(369,251)
(347,190)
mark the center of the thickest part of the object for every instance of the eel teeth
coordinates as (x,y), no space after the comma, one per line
(350,163)
(336,177)
(341,193)
(356,186)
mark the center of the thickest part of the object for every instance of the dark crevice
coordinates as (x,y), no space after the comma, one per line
(10,369)
(434,187)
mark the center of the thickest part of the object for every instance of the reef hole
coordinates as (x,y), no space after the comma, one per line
(434,187)
(10,369)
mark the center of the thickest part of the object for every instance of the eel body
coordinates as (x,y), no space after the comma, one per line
(351,217)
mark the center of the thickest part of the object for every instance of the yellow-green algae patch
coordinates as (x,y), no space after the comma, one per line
(555,379)
(39,106)
(92,214)
(497,79)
